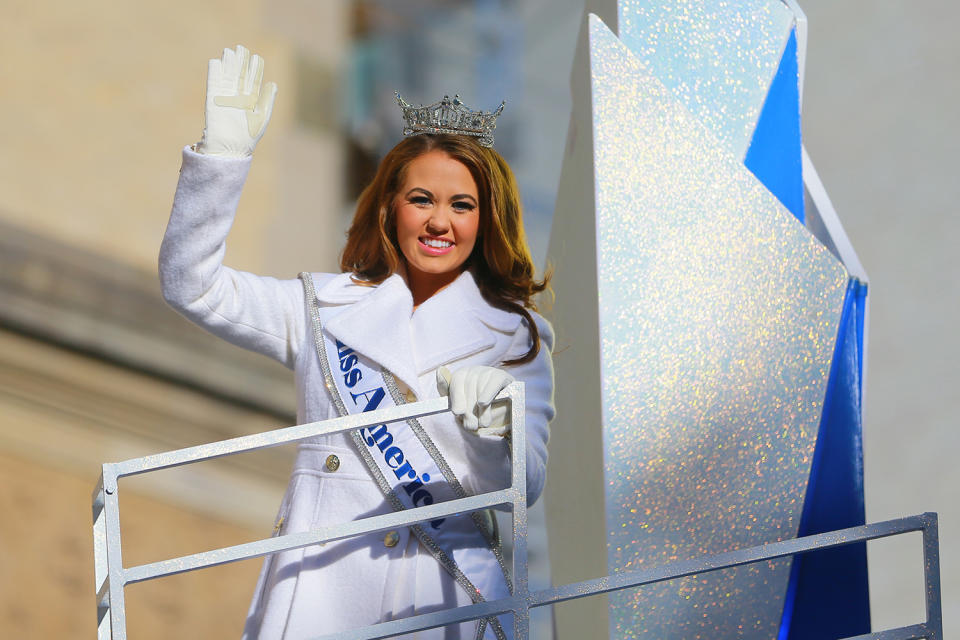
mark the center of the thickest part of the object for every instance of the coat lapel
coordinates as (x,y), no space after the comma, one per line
(375,322)
(380,323)
(455,323)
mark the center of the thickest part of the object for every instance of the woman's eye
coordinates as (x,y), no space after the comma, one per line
(463,205)
(420,201)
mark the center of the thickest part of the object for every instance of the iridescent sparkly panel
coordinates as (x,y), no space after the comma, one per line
(718,318)
(718,58)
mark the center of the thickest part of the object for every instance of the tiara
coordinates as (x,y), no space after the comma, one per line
(449,116)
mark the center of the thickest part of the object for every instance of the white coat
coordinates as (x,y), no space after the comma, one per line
(323,589)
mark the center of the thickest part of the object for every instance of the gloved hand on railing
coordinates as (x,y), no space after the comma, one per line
(471,391)
(237,107)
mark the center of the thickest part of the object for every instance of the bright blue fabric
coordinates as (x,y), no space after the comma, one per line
(828,594)
(774,153)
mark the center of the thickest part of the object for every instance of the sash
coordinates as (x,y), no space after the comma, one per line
(410,470)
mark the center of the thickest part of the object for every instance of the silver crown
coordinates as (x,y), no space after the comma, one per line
(449,116)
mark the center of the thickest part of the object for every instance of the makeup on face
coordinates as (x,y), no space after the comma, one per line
(438,219)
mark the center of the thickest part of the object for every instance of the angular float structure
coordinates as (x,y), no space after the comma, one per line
(710,321)
(711,311)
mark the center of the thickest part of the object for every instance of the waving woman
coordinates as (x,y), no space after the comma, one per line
(434,297)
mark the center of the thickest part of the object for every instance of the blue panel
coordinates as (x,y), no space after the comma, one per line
(828,594)
(774,154)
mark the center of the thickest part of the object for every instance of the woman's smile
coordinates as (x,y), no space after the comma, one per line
(436,246)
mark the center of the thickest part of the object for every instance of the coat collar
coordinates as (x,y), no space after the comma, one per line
(380,323)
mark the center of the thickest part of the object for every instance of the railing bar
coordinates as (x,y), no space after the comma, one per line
(111,619)
(507,605)
(276,437)
(428,621)
(726,560)
(913,632)
(307,538)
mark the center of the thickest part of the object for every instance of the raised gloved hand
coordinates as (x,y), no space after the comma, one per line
(471,391)
(237,109)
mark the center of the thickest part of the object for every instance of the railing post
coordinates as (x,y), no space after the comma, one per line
(931,575)
(100,565)
(115,576)
(518,454)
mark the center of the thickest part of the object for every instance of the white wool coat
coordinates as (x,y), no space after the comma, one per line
(324,589)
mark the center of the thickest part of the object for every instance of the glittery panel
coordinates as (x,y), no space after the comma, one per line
(718,317)
(718,58)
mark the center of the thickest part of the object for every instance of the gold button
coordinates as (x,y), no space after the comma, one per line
(391,539)
(333,462)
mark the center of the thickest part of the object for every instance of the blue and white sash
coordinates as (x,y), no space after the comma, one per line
(409,469)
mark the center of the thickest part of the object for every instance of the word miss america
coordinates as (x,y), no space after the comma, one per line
(379,437)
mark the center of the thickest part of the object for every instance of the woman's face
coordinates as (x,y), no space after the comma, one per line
(438,217)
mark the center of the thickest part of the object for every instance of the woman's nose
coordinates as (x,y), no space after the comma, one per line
(439,223)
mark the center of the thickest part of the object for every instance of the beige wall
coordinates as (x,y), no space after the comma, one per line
(61,415)
(880,123)
(100,97)
(98,100)
(47,573)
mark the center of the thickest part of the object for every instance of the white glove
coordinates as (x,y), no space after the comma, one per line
(237,111)
(471,391)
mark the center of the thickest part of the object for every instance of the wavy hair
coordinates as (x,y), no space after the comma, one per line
(500,260)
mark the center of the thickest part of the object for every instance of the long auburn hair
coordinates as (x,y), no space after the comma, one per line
(500,260)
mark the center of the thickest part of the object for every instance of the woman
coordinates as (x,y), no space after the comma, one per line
(436,277)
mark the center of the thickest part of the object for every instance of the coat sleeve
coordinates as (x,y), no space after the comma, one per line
(537,376)
(258,313)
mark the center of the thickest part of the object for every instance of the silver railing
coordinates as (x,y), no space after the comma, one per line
(112,577)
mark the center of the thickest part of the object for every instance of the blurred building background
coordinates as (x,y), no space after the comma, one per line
(99,98)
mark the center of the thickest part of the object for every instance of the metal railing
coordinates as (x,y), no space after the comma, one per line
(112,577)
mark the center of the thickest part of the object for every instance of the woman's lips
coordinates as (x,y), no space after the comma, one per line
(436,246)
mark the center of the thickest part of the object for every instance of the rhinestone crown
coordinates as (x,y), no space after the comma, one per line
(449,116)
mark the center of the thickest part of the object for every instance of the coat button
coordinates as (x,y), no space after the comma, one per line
(333,462)
(391,539)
